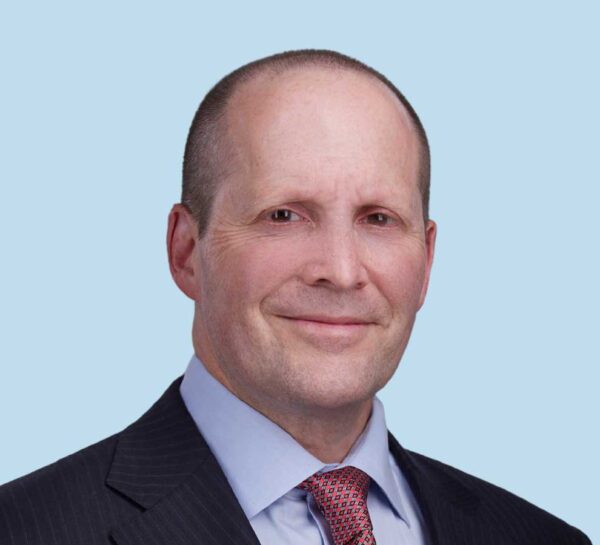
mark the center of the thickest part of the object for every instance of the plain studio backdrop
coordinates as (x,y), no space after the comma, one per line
(500,378)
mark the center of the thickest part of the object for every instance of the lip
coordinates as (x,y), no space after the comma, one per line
(330,320)
(330,333)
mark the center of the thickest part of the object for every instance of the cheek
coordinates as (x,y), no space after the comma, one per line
(399,272)
(250,272)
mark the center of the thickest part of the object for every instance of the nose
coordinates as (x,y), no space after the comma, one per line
(335,260)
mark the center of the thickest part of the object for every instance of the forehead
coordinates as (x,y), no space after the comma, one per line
(331,126)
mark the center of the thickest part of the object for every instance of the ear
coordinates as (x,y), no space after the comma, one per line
(182,244)
(430,234)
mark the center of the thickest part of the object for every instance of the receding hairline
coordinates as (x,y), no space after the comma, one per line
(277,83)
(207,157)
(272,73)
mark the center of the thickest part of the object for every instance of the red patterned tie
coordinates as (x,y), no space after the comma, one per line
(341,495)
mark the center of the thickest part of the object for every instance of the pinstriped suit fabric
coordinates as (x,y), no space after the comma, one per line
(469,510)
(157,483)
(63,503)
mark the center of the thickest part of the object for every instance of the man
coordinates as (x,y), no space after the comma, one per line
(303,238)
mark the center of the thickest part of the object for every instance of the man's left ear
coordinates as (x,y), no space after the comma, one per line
(430,234)
(181,247)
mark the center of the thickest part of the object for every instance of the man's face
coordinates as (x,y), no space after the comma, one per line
(316,258)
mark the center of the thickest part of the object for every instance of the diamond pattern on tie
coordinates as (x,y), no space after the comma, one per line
(341,496)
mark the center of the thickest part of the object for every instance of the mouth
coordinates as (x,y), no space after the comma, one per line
(330,320)
(325,330)
(333,326)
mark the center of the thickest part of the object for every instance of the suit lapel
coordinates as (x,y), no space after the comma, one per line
(163,464)
(452,513)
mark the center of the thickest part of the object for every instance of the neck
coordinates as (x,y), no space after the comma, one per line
(328,435)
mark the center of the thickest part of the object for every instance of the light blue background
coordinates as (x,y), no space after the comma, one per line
(501,376)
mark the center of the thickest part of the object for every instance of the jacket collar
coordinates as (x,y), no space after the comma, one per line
(163,465)
(453,513)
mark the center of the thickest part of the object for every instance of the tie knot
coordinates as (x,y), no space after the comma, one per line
(341,496)
(344,481)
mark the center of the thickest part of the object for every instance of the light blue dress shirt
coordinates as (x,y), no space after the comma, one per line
(264,464)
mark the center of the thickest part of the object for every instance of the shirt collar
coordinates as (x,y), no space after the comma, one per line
(261,461)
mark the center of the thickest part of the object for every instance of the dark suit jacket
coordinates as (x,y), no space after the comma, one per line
(157,483)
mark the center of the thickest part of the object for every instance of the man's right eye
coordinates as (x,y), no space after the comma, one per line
(283,215)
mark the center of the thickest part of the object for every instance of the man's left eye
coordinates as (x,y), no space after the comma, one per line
(379,218)
(283,215)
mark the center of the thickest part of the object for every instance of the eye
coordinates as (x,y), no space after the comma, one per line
(379,218)
(283,215)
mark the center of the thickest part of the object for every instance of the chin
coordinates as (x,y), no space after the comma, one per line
(333,389)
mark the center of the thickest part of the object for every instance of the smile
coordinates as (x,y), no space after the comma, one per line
(329,320)
(329,324)
(326,329)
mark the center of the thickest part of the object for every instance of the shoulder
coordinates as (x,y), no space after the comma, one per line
(499,508)
(79,499)
(67,499)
